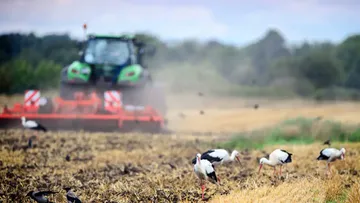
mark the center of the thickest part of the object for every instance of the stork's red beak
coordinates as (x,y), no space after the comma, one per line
(238,159)
(260,168)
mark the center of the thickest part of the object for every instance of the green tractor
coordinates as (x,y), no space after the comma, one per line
(113,63)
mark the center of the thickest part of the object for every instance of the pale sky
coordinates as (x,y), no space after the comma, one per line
(230,21)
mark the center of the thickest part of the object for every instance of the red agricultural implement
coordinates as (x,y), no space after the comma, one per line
(85,112)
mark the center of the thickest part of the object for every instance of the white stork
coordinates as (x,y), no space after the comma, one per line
(204,170)
(331,155)
(277,157)
(219,156)
(32,125)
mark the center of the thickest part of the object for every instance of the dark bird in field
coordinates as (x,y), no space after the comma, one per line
(327,142)
(30,142)
(70,196)
(32,125)
(200,94)
(40,196)
(202,112)
(256,106)
(67,158)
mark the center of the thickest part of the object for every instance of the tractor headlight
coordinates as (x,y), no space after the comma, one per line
(129,74)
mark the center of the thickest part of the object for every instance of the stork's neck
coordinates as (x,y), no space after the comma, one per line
(198,162)
(338,153)
(199,166)
(232,157)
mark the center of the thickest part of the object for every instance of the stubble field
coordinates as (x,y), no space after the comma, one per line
(114,167)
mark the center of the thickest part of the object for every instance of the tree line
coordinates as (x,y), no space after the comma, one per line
(322,70)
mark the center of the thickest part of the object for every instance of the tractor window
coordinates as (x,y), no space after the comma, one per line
(111,51)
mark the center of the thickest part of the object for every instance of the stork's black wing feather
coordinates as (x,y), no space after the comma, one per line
(322,156)
(193,161)
(208,151)
(41,127)
(206,155)
(212,175)
(286,152)
(288,159)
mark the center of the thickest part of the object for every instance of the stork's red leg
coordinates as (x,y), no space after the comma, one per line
(202,189)
(274,170)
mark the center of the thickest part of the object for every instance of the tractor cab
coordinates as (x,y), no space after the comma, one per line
(108,50)
(114,50)
(111,61)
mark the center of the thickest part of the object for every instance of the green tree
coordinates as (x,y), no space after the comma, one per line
(320,69)
(6,80)
(349,54)
(48,74)
(265,51)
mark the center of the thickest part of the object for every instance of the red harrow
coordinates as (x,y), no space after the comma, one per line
(86,112)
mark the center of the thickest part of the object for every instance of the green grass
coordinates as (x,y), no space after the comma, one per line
(295,131)
(355,136)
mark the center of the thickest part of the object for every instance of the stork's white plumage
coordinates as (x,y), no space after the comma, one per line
(32,125)
(331,155)
(277,157)
(204,170)
(219,156)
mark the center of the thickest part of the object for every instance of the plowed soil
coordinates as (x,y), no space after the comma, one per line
(114,167)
